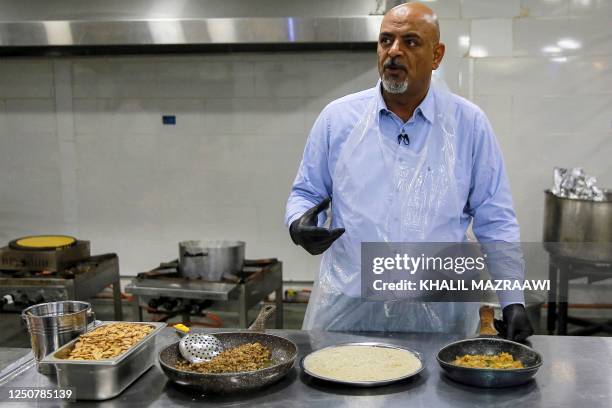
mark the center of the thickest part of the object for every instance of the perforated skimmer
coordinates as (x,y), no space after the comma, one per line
(200,347)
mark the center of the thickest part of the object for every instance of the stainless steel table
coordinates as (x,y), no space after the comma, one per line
(577,372)
(9,355)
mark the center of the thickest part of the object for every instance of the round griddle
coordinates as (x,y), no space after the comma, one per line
(42,242)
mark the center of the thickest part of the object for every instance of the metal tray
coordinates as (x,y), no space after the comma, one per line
(365,383)
(104,379)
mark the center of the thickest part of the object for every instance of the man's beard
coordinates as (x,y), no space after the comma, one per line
(392,86)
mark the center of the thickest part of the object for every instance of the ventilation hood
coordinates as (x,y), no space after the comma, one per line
(51,27)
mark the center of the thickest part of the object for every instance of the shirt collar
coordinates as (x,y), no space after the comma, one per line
(426,108)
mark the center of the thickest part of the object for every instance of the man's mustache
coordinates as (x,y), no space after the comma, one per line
(393,64)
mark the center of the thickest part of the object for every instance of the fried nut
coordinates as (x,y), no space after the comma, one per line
(108,341)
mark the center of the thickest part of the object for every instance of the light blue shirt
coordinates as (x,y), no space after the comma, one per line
(479,168)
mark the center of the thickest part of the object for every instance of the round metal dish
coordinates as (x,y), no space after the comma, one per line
(376,383)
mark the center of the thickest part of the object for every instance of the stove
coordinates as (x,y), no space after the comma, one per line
(52,253)
(165,291)
(49,268)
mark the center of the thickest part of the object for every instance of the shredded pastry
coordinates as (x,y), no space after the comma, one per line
(108,341)
(246,357)
(362,363)
(498,361)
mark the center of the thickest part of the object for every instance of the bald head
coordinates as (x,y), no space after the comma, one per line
(416,13)
(409,48)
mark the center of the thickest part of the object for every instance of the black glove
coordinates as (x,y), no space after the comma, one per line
(516,325)
(304,231)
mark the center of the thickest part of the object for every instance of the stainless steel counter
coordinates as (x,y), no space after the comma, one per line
(577,372)
(9,355)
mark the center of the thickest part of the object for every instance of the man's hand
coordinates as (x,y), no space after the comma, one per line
(304,231)
(516,325)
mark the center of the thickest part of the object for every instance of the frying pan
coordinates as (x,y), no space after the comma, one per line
(489,344)
(283,354)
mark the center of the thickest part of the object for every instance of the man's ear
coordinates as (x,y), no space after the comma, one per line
(438,55)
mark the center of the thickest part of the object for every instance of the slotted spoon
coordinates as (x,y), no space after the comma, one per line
(201,347)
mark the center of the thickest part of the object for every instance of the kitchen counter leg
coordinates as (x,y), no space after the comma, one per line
(138,308)
(563,297)
(117,300)
(551,316)
(243,310)
(278,298)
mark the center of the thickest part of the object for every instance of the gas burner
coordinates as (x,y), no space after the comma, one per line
(43,254)
(169,271)
(81,281)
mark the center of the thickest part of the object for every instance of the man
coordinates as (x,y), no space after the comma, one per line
(402,162)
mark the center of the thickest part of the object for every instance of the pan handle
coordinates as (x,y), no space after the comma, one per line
(487,315)
(259,325)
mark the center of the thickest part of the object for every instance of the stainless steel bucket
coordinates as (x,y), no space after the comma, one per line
(210,260)
(579,229)
(51,325)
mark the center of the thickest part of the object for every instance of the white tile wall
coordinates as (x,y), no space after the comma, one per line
(490,8)
(456,74)
(562,114)
(540,8)
(30,115)
(257,116)
(333,77)
(447,8)
(2,114)
(590,7)
(578,75)
(491,38)
(455,34)
(226,168)
(26,79)
(180,77)
(499,112)
(30,200)
(588,35)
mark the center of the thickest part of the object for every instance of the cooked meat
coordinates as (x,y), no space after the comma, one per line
(498,361)
(246,357)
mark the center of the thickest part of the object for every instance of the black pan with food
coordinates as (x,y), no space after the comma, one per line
(489,377)
(283,354)
(489,345)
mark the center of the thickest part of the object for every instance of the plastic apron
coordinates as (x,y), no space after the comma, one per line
(415,199)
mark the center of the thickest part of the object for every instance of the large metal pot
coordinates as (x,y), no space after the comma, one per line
(210,260)
(579,229)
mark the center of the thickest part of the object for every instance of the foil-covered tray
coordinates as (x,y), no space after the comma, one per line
(376,383)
